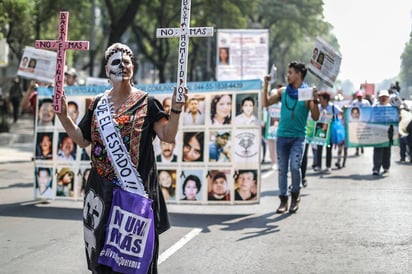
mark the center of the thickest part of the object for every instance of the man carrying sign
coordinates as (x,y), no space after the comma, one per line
(291,131)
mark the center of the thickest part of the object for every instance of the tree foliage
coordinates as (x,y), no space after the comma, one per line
(406,64)
(293,26)
(24,21)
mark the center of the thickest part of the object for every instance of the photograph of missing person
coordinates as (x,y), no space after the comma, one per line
(245,184)
(224,56)
(219,182)
(45,113)
(194,112)
(193,146)
(220,146)
(321,130)
(191,183)
(44,146)
(44,181)
(165,152)
(66,148)
(221,110)
(246,111)
(65,182)
(167,181)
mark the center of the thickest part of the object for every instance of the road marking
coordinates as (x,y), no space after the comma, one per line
(178,245)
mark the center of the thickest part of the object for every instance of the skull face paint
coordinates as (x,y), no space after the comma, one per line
(119,67)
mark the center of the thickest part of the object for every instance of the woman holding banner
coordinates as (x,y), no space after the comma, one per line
(382,154)
(120,126)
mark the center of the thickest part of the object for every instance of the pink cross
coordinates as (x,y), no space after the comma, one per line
(61,45)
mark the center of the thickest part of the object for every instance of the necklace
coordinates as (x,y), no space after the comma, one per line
(290,108)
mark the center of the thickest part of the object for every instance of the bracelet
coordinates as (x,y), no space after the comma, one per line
(176,111)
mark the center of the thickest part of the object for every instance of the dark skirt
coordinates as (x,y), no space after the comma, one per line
(96,210)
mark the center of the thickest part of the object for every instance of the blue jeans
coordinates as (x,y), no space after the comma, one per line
(290,152)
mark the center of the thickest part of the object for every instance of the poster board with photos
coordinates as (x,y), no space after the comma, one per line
(242,54)
(318,132)
(199,171)
(371,126)
(272,121)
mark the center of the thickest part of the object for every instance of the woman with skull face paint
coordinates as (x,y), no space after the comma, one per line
(139,119)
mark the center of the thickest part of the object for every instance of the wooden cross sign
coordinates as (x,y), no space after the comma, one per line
(61,45)
(184,32)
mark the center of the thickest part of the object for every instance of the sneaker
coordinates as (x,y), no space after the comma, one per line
(327,170)
(402,161)
(316,168)
(275,167)
(385,171)
(375,172)
(337,164)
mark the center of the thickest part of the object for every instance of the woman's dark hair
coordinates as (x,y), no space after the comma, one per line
(40,137)
(84,181)
(215,100)
(299,67)
(325,95)
(199,137)
(192,178)
(238,172)
(45,100)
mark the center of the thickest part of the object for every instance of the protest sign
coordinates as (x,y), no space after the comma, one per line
(325,62)
(242,137)
(38,64)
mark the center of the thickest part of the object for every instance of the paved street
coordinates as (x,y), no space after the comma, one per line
(349,222)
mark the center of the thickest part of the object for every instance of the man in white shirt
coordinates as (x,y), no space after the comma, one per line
(167,155)
(194,116)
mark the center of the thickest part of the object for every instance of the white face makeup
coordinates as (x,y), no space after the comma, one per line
(119,67)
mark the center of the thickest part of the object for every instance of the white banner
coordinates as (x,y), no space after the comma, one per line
(215,158)
(4,53)
(242,54)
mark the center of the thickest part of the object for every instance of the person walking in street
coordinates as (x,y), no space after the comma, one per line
(359,101)
(291,131)
(382,155)
(405,122)
(16,94)
(142,118)
(330,110)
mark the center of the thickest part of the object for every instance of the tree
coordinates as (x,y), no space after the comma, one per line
(293,27)
(406,67)
(24,21)
(121,15)
(162,53)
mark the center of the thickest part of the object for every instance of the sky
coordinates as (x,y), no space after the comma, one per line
(372,35)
